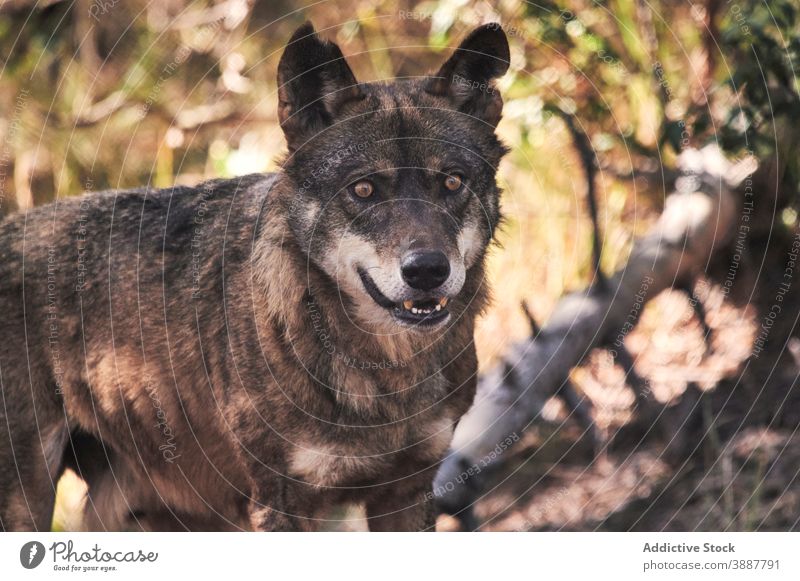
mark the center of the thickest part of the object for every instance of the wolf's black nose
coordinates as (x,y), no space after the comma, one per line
(425,269)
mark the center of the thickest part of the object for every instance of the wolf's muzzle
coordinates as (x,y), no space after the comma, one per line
(425,269)
(428,311)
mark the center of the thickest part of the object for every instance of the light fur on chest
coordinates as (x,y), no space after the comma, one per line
(337,464)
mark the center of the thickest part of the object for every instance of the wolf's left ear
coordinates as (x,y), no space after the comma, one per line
(314,84)
(466,79)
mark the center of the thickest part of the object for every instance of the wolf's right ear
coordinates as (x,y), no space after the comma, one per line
(314,82)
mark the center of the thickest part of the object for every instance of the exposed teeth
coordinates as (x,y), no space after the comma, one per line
(409,306)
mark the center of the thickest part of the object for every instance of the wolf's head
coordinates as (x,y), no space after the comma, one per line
(395,192)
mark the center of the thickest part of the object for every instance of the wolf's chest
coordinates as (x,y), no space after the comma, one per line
(369,456)
(398,422)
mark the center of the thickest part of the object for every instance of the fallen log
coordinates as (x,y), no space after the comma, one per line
(699,218)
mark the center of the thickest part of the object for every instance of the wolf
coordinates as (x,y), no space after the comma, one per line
(249,353)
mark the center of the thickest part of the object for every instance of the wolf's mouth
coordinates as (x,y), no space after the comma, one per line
(423,312)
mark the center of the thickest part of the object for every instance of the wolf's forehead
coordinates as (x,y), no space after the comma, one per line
(390,151)
(398,94)
(398,125)
(408,129)
(404,108)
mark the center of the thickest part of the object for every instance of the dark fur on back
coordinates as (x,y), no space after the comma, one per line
(208,358)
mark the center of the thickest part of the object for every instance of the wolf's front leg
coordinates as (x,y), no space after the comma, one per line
(275,505)
(274,502)
(266,517)
(406,507)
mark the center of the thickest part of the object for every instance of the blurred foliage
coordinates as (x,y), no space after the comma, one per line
(762,52)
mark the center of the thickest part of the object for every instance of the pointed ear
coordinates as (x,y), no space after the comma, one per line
(314,83)
(466,79)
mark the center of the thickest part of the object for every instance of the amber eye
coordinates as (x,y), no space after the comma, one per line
(363,189)
(453,182)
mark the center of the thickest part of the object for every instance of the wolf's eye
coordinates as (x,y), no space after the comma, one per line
(363,189)
(453,182)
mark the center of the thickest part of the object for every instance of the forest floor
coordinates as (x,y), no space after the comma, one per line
(718,450)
